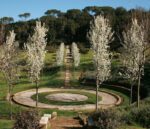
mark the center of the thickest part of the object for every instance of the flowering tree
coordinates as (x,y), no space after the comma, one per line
(36,54)
(75,54)
(134,55)
(60,55)
(8,65)
(100,35)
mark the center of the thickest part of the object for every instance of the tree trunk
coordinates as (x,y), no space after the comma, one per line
(10,106)
(37,97)
(10,102)
(138,94)
(73,71)
(131,94)
(61,71)
(97,86)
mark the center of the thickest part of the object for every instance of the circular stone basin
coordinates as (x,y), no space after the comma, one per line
(67,97)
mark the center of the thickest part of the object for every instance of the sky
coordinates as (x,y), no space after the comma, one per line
(37,8)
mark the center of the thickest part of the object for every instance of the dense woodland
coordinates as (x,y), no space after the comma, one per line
(72,26)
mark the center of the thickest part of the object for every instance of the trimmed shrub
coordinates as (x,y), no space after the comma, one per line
(106,119)
(27,120)
(133,115)
(142,116)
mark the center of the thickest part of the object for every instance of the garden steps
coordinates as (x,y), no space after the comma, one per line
(65,123)
(67,60)
(67,78)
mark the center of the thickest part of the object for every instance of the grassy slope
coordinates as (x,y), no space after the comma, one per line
(51,77)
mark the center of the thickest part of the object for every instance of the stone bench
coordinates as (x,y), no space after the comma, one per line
(44,122)
(48,115)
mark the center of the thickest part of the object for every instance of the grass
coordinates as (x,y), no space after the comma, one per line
(6,124)
(124,94)
(91,98)
(4,110)
(131,127)
(86,64)
(51,77)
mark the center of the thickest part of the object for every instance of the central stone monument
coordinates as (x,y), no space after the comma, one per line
(67,97)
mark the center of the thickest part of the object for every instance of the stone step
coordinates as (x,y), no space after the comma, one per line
(65,123)
(67,74)
(67,80)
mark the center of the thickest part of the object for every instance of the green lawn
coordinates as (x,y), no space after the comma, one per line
(6,124)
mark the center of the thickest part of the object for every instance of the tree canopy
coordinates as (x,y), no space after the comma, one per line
(72,25)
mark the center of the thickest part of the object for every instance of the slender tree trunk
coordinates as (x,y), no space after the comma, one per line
(138,92)
(10,102)
(37,97)
(11,107)
(73,70)
(97,87)
(131,94)
(60,68)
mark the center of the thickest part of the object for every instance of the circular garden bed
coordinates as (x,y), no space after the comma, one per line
(74,98)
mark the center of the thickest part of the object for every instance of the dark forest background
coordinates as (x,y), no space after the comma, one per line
(73,25)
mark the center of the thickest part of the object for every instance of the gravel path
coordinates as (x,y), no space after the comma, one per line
(67,60)
(108,100)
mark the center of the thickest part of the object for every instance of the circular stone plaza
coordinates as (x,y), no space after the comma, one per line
(107,99)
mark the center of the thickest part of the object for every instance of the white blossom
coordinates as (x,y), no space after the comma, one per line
(36,50)
(8,55)
(60,55)
(8,64)
(100,35)
(75,54)
(133,54)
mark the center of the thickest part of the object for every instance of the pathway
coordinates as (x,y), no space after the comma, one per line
(108,99)
(65,123)
(67,61)
(67,76)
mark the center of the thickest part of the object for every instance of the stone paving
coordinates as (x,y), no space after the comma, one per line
(108,100)
(67,78)
(67,60)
